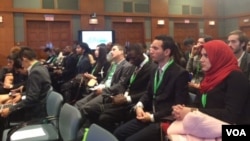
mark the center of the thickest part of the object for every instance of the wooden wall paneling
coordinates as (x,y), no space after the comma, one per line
(129,32)
(159,29)
(184,30)
(211,30)
(244,21)
(6,30)
(159,8)
(5,4)
(60,33)
(90,6)
(37,34)
(210,8)
(246,29)
(132,32)
(40,17)
(6,36)
(86,26)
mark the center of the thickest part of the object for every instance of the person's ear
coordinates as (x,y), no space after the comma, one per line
(167,52)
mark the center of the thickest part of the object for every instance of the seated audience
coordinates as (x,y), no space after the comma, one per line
(167,87)
(37,86)
(224,97)
(193,65)
(69,88)
(115,82)
(121,104)
(100,68)
(13,75)
(67,71)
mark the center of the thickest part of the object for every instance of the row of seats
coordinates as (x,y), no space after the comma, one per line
(62,124)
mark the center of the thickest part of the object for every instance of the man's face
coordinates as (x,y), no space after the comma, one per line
(234,43)
(200,41)
(248,47)
(79,50)
(135,58)
(66,50)
(25,63)
(157,53)
(115,52)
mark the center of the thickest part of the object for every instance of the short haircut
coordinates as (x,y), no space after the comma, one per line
(206,37)
(188,41)
(85,46)
(242,37)
(167,43)
(27,52)
(137,47)
(121,48)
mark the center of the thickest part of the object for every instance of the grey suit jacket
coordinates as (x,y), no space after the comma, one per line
(120,78)
(37,86)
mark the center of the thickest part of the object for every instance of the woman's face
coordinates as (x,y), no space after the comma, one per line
(97,52)
(205,63)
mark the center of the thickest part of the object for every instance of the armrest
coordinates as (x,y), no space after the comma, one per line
(169,118)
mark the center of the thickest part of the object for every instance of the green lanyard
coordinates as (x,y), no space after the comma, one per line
(94,69)
(132,78)
(204,100)
(112,70)
(157,84)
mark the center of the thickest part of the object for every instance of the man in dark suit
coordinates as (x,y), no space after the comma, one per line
(68,69)
(168,85)
(123,102)
(115,82)
(69,88)
(37,86)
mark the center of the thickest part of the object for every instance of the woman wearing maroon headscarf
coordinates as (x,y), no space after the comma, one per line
(224,95)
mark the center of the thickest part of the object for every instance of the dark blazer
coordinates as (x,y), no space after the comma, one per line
(173,90)
(83,64)
(120,78)
(37,86)
(69,65)
(229,101)
(245,65)
(139,86)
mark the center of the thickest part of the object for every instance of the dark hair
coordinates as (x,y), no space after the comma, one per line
(137,47)
(169,43)
(17,63)
(102,53)
(85,46)
(27,52)
(47,49)
(102,59)
(188,41)
(206,38)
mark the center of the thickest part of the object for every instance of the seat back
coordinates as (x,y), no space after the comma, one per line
(192,97)
(53,106)
(69,122)
(97,133)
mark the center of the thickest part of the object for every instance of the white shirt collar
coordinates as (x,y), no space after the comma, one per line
(240,58)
